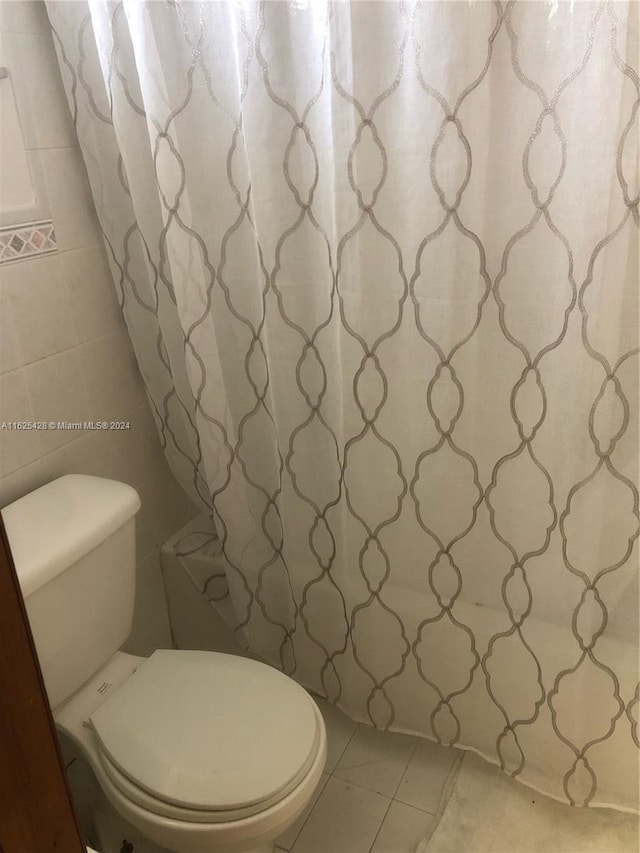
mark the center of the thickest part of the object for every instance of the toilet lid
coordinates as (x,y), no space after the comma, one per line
(208,731)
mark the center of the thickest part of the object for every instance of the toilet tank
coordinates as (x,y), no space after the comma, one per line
(73,544)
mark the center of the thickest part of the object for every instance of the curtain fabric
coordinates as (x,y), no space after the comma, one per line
(379,262)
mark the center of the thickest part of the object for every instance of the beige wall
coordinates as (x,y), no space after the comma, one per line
(64,350)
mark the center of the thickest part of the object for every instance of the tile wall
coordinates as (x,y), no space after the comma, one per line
(64,351)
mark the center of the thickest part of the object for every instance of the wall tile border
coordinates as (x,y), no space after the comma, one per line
(29,240)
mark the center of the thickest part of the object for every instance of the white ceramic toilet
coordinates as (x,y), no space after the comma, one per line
(201,751)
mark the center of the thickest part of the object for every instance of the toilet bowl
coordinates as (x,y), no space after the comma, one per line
(143,750)
(202,752)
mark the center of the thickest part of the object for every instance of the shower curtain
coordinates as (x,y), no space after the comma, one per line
(379,263)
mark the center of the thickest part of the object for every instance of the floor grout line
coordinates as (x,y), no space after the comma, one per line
(311,811)
(351,736)
(391,797)
(406,766)
(384,817)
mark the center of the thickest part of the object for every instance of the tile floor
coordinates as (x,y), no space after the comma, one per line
(380,792)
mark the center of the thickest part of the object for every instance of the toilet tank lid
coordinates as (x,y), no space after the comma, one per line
(57,524)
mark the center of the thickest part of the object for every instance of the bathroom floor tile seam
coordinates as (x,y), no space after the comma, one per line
(370,848)
(336,773)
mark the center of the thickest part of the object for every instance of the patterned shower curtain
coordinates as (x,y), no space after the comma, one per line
(379,263)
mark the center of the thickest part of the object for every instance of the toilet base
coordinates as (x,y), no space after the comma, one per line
(268,848)
(113,833)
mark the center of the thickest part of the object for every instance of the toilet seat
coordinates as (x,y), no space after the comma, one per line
(160,807)
(204,737)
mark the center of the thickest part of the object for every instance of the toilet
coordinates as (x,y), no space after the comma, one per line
(202,752)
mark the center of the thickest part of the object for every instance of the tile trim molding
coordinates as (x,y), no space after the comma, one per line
(29,240)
